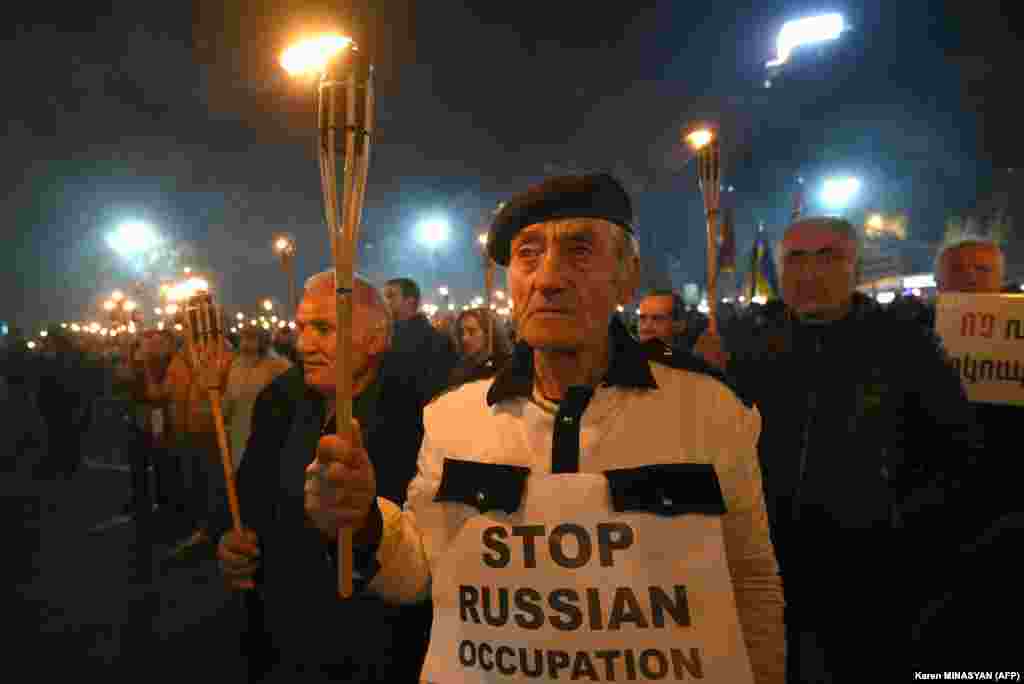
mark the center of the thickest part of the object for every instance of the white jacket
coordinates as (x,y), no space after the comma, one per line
(689,417)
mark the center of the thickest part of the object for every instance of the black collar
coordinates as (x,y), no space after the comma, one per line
(628,368)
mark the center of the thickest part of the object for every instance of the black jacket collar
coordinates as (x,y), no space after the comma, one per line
(628,367)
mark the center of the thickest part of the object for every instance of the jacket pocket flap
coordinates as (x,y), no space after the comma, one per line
(484,486)
(667,489)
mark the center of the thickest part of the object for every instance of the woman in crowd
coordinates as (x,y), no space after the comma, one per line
(480,356)
(254,368)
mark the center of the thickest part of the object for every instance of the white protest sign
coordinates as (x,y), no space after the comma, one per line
(984,336)
(568,589)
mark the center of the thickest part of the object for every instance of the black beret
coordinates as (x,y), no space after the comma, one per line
(592,196)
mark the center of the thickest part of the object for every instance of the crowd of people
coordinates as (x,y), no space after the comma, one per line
(805,495)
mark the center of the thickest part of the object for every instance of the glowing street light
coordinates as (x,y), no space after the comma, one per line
(158,311)
(129,305)
(806,31)
(109,305)
(268,305)
(117,295)
(837,193)
(432,232)
(443,291)
(133,238)
(284,247)
(240,316)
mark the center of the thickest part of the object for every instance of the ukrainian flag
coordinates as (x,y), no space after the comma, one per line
(762,271)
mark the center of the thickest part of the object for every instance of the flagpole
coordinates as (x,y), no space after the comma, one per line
(753,261)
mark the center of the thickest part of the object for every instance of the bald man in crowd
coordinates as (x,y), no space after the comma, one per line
(299,630)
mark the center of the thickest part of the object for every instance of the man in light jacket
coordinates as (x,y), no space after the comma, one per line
(587,513)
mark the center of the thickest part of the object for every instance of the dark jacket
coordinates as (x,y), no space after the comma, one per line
(361,639)
(992,485)
(857,416)
(432,352)
(67,386)
(470,369)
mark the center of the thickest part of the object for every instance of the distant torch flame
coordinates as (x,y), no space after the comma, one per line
(699,139)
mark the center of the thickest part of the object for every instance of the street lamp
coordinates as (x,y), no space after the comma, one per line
(268,305)
(837,193)
(133,238)
(806,31)
(284,247)
(704,140)
(431,233)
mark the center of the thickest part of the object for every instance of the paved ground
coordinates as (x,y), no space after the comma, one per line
(83,605)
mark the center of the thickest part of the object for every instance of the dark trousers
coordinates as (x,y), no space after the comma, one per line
(64,449)
(156,477)
(204,492)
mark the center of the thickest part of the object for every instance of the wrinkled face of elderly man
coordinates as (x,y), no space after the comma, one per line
(971,267)
(567,277)
(316,322)
(818,258)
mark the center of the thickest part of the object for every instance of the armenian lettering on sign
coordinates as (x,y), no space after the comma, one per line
(984,336)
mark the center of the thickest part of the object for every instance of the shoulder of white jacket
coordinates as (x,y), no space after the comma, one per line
(462,403)
(709,379)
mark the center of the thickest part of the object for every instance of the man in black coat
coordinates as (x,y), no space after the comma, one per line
(861,414)
(417,341)
(299,629)
(67,388)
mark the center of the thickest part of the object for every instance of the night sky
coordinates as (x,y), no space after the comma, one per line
(181,116)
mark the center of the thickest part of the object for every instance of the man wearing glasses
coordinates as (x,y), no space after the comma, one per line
(860,409)
(662,317)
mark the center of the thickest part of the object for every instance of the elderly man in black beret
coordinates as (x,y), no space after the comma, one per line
(587,513)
